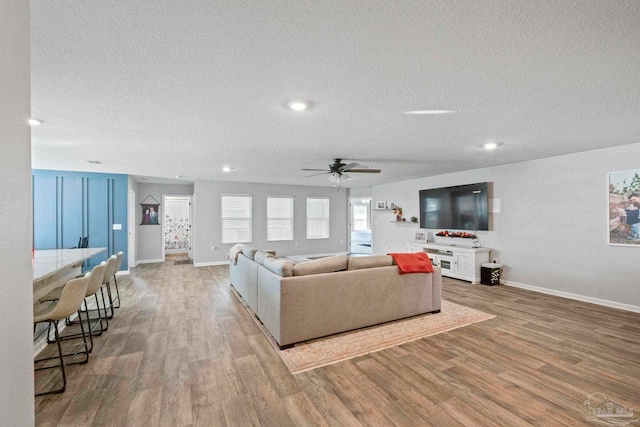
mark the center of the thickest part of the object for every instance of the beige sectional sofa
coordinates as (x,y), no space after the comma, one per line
(299,301)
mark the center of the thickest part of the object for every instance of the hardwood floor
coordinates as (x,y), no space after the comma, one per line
(182,351)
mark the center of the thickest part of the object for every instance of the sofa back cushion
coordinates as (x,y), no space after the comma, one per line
(260,256)
(322,265)
(280,267)
(360,262)
(249,251)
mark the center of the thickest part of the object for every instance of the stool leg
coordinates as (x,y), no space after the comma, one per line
(104,305)
(115,281)
(61,366)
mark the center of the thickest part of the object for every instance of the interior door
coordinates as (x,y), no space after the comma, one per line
(360,226)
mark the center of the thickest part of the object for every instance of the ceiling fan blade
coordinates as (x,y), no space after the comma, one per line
(348,167)
(315,174)
(324,170)
(365,170)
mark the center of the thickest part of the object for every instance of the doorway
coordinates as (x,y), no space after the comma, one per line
(176,229)
(360,226)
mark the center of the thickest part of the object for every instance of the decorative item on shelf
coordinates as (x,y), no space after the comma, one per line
(414,219)
(381,204)
(462,234)
(397,210)
(421,237)
(150,212)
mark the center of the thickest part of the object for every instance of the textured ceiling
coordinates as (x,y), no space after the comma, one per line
(166,88)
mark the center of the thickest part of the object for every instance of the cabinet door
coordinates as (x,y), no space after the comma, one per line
(463,264)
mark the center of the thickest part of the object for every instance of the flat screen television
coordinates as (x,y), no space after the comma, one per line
(463,207)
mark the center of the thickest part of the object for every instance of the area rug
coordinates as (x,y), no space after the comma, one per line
(336,348)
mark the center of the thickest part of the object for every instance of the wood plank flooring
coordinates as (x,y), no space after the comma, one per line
(182,351)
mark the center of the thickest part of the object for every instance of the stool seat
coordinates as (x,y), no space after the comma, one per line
(53,295)
(42,311)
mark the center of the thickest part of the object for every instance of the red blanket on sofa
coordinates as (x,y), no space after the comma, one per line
(417,262)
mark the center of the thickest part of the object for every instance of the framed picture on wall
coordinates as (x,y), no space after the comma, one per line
(624,208)
(150,214)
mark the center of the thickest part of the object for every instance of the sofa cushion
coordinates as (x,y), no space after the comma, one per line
(249,251)
(359,262)
(260,256)
(280,267)
(322,265)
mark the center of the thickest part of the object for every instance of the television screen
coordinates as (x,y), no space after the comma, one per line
(463,207)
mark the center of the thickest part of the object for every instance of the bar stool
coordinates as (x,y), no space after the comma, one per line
(119,255)
(70,301)
(97,277)
(110,272)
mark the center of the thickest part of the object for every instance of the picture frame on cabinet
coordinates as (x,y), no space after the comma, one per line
(421,236)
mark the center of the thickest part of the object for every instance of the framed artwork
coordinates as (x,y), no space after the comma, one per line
(150,213)
(381,205)
(624,208)
(421,237)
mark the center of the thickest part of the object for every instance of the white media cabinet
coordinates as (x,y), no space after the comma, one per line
(459,262)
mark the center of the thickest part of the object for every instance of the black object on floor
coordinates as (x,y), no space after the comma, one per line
(183,261)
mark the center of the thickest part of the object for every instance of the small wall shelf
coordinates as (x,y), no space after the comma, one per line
(408,223)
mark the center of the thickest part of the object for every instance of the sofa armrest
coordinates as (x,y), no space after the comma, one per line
(436,283)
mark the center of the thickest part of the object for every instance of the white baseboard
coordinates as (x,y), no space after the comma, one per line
(122,272)
(598,301)
(207,264)
(149,261)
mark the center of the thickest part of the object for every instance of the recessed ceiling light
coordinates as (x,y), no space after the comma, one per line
(180,176)
(490,145)
(298,105)
(35,122)
(94,162)
(227,169)
(425,112)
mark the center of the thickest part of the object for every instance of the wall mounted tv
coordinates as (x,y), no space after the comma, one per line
(463,207)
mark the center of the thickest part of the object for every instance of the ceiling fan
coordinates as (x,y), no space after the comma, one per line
(338,171)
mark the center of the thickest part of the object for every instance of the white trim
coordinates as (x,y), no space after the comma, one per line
(577,297)
(149,261)
(122,272)
(207,264)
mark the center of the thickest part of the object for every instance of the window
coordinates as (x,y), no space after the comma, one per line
(360,219)
(317,218)
(279,218)
(236,219)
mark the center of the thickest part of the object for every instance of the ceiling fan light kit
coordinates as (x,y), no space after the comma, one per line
(338,171)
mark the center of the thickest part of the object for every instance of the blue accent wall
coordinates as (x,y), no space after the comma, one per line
(70,205)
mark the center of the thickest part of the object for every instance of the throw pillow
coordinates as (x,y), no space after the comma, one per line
(278,266)
(322,265)
(249,251)
(260,256)
(360,262)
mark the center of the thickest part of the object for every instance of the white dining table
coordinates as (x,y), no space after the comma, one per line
(53,268)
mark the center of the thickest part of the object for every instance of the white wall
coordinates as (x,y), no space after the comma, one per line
(207,223)
(16,313)
(552,231)
(149,239)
